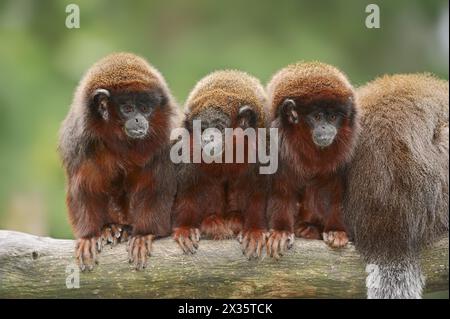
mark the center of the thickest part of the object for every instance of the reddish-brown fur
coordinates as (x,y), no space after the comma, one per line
(307,189)
(220,200)
(113,181)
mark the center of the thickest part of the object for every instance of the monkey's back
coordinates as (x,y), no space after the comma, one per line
(397,187)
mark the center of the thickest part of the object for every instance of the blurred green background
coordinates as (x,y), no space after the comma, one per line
(41,62)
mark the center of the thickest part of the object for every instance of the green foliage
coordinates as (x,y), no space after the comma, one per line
(41,62)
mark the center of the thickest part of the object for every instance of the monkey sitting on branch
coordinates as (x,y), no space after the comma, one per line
(114,145)
(313,106)
(396,200)
(219,198)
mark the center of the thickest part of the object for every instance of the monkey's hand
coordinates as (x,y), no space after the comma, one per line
(187,238)
(253,242)
(139,248)
(279,242)
(308,231)
(86,252)
(335,239)
(114,234)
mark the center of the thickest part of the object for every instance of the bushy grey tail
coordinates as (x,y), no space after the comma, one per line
(397,280)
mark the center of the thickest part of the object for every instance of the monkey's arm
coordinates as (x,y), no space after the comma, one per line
(254,232)
(151,203)
(334,233)
(188,211)
(87,216)
(280,209)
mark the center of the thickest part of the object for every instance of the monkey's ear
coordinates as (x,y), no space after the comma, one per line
(187,123)
(287,110)
(163,99)
(246,117)
(100,100)
(159,97)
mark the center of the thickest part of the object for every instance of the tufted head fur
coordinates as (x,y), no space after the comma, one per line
(228,90)
(308,81)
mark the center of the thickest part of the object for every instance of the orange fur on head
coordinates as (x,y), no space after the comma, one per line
(308,81)
(229,90)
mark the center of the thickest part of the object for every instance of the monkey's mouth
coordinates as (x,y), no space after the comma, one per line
(323,141)
(136,133)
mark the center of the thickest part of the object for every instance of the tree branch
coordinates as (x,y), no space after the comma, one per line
(37,267)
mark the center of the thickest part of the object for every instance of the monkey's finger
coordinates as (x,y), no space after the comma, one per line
(247,246)
(79,257)
(109,234)
(260,246)
(245,242)
(136,259)
(93,250)
(135,250)
(240,237)
(325,237)
(269,245)
(197,234)
(254,244)
(99,244)
(190,246)
(251,249)
(290,242)
(116,234)
(283,243)
(116,230)
(276,248)
(187,245)
(127,247)
(149,244)
(180,241)
(86,254)
(130,249)
(124,236)
(194,237)
(77,246)
(142,258)
(331,236)
(81,263)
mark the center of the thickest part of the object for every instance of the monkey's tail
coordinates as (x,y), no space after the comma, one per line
(401,279)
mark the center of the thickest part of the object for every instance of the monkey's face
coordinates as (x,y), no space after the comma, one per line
(129,112)
(323,119)
(212,123)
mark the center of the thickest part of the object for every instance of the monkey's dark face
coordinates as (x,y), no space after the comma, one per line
(322,118)
(214,121)
(131,111)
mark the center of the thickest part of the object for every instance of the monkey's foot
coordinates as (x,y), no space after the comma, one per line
(279,242)
(253,242)
(214,227)
(187,238)
(86,252)
(335,239)
(234,223)
(139,248)
(308,231)
(114,234)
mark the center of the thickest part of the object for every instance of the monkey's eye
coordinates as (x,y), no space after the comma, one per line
(332,117)
(317,117)
(127,109)
(144,108)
